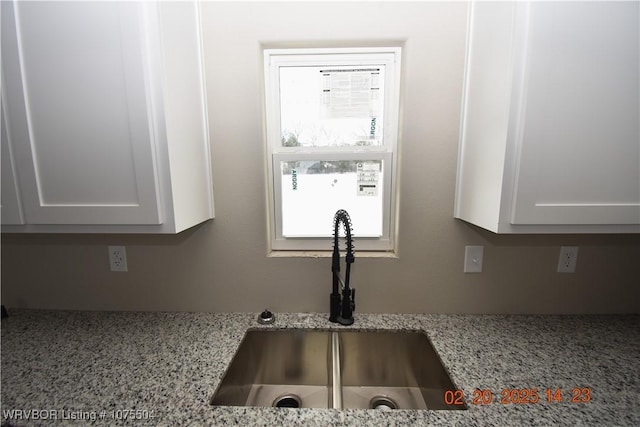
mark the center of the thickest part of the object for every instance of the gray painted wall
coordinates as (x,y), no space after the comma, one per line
(222,265)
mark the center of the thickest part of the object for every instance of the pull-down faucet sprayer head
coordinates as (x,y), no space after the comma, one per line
(342,216)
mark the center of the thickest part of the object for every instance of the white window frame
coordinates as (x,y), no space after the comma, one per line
(390,57)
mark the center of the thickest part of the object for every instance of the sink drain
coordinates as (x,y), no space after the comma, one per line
(383,403)
(287,401)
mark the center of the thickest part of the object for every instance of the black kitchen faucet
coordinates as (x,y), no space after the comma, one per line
(342,311)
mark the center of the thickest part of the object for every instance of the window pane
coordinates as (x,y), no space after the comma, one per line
(312,192)
(324,106)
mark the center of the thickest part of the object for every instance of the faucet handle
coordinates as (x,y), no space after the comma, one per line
(353,299)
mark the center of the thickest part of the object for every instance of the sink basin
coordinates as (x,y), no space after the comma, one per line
(392,370)
(335,369)
(279,368)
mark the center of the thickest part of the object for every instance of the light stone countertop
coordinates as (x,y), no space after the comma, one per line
(73,364)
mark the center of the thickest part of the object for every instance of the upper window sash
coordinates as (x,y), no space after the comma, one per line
(333,59)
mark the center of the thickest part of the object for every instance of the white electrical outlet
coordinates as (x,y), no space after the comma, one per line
(568,259)
(118,258)
(473,259)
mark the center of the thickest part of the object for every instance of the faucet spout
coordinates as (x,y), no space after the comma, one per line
(341,310)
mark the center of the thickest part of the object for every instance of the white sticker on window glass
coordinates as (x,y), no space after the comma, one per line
(368,178)
(351,92)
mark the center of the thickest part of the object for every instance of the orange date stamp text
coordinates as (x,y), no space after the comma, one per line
(519,396)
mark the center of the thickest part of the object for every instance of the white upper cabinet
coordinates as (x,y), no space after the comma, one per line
(106,117)
(550,136)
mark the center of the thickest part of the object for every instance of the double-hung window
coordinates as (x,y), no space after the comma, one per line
(331,132)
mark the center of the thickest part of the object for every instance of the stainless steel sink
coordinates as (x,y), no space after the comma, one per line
(335,369)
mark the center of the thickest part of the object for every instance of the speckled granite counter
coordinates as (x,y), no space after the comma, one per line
(75,366)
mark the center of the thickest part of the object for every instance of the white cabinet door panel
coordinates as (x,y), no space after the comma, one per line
(580,150)
(86,151)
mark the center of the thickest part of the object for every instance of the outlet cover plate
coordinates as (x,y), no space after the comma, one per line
(568,259)
(473,256)
(118,258)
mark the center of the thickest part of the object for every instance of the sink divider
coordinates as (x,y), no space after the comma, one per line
(336,378)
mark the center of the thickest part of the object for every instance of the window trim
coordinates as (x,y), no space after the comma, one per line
(390,57)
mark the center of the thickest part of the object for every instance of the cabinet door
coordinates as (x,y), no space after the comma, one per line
(10,211)
(81,130)
(580,147)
